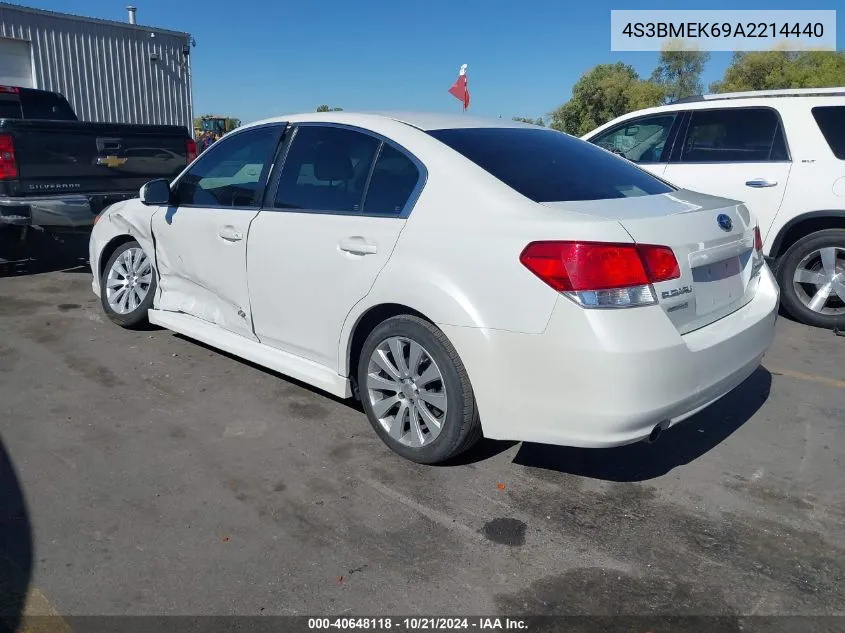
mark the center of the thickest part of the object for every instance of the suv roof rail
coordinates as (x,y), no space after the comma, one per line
(752,94)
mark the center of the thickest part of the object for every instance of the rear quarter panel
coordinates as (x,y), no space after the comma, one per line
(457,259)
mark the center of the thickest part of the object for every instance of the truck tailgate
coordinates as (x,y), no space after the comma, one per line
(56,157)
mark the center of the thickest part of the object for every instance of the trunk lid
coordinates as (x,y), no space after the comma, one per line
(74,157)
(713,241)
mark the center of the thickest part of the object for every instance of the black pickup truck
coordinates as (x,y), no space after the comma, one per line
(58,173)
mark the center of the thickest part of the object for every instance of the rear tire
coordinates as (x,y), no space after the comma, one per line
(811,276)
(416,392)
(128,286)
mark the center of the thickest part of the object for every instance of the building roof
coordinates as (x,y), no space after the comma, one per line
(83,18)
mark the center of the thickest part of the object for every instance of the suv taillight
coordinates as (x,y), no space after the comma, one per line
(602,275)
(758,239)
(191,150)
(8,162)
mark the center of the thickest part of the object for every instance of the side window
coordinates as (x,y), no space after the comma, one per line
(734,135)
(231,172)
(831,121)
(326,169)
(641,140)
(394,178)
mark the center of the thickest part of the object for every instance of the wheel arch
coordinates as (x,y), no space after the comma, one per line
(109,249)
(803,225)
(366,322)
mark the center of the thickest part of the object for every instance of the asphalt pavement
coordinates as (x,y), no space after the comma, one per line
(143,473)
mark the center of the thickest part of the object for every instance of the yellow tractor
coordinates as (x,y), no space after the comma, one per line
(214,124)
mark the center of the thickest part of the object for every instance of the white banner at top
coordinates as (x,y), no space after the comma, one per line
(748,30)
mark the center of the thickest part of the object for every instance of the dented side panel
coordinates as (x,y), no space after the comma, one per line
(201,260)
(128,218)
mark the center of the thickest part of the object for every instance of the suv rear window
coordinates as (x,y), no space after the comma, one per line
(549,166)
(831,121)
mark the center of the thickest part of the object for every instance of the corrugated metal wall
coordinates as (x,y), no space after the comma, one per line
(105,69)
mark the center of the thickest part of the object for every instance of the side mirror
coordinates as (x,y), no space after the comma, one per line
(156,193)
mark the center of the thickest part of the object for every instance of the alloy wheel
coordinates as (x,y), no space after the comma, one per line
(819,281)
(406,391)
(129,280)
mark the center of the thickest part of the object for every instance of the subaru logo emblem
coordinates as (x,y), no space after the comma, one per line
(725,222)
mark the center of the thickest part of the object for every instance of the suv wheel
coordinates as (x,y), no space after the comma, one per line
(128,285)
(416,392)
(811,275)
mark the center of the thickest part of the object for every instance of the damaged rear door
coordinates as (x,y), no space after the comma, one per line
(201,239)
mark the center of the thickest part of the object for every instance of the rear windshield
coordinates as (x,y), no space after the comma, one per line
(831,120)
(46,105)
(548,166)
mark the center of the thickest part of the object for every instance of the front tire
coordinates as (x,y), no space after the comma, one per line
(416,392)
(811,275)
(128,285)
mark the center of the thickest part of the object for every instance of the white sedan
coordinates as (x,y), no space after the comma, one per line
(462,277)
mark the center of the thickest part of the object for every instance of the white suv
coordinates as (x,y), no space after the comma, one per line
(782,152)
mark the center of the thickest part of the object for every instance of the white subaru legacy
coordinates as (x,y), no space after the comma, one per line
(462,277)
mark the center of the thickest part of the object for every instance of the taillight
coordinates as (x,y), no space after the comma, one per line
(10,89)
(599,274)
(758,239)
(191,150)
(8,162)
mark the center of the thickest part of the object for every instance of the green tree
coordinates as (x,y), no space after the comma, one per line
(679,71)
(604,93)
(777,69)
(325,108)
(538,121)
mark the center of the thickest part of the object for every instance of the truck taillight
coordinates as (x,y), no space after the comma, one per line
(602,275)
(191,150)
(8,162)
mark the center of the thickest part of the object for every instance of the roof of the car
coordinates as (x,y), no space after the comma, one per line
(422,120)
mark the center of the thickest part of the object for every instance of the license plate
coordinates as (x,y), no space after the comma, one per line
(717,284)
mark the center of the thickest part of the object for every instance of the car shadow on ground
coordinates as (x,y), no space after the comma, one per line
(16,548)
(679,445)
(41,253)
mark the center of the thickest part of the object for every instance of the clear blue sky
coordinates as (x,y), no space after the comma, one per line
(259,58)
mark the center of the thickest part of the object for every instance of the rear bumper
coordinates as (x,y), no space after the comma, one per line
(59,212)
(600,378)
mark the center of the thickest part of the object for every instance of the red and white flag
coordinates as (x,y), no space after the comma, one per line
(460,90)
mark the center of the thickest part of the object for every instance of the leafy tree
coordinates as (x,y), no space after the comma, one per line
(325,108)
(538,121)
(679,71)
(778,69)
(604,93)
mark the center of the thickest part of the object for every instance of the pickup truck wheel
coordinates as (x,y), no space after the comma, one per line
(811,275)
(416,392)
(128,285)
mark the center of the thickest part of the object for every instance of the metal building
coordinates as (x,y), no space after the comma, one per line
(113,72)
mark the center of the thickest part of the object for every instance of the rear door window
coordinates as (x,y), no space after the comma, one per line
(831,121)
(734,135)
(326,170)
(549,166)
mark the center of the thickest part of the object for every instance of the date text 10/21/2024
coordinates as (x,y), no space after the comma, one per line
(418,624)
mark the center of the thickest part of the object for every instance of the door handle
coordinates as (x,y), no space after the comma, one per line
(230,234)
(759,183)
(358,246)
